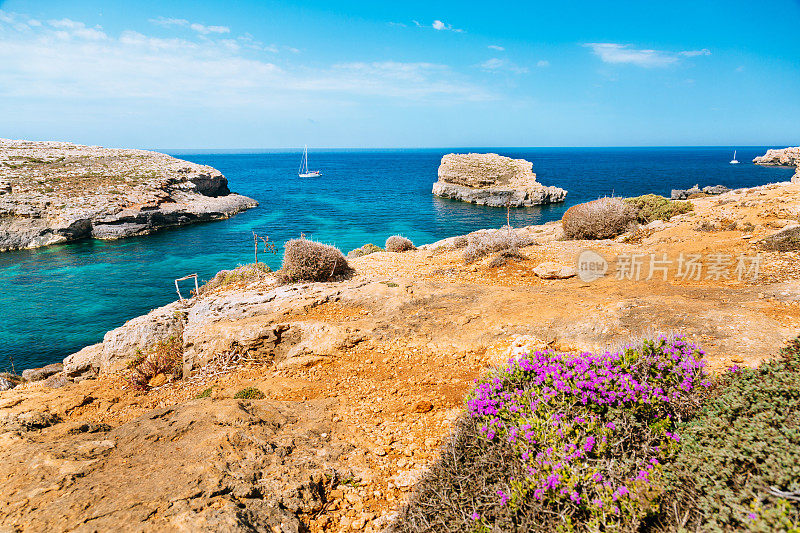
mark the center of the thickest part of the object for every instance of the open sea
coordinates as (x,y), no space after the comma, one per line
(58,299)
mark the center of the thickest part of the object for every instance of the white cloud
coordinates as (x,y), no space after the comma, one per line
(695,53)
(542,63)
(496,64)
(194,26)
(61,63)
(496,47)
(615,53)
(439,26)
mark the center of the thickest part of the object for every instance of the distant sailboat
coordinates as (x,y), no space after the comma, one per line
(304,172)
(734,161)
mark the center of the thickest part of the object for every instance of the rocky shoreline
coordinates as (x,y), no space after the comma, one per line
(784,157)
(57,192)
(493,180)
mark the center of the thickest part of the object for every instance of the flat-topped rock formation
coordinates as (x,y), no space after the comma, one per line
(784,157)
(493,180)
(55,192)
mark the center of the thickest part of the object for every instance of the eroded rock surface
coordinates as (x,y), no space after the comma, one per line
(55,192)
(784,157)
(205,465)
(494,180)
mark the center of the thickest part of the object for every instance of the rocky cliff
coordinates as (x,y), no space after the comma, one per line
(785,157)
(494,180)
(55,192)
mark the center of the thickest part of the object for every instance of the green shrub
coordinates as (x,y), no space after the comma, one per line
(483,243)
(398,243)
(745,440)
(305,260)
(599,219)
(562,442)
(241,274)
(205,394)
(652,207)
(364,250)
(164,357)
(249,393)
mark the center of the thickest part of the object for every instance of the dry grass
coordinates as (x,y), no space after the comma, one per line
(481,244)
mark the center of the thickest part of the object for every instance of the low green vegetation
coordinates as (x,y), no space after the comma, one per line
(205,394)
(249,393)
(740,453)
(652,207)
(641,439)
(364,250)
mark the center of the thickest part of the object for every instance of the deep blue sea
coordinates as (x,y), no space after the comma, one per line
(56,300)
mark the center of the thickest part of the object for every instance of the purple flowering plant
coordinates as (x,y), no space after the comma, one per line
(590,431)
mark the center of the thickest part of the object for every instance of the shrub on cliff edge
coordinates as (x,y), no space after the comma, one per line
(241,274)
(164,357)
(398,243)
(364,250)
(650,207)
(305,260)
(483,243)
(599,219)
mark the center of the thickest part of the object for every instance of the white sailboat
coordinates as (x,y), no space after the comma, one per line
(303,172)
(734,161)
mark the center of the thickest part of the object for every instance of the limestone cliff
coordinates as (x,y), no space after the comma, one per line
(493,180)
(785,157)
(55,192)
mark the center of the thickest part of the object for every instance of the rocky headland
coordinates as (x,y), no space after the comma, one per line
(363,378)
(784,157)
(56,192)
(493,180)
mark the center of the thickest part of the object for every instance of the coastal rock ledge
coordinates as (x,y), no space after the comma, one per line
(785,157)
(493,180)
(56,192)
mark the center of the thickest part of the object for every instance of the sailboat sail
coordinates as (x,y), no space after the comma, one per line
(303,171)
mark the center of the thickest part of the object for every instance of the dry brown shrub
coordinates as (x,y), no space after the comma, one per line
(481,244)
(398,243)
(305,260)
(599,219)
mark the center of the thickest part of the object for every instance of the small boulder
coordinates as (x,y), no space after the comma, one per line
(5,384)
(551,270)
(38,374)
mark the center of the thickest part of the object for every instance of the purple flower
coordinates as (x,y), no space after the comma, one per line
(475,515)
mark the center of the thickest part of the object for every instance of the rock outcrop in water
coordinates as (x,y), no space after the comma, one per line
(55,192)
(785,157)
(493,180)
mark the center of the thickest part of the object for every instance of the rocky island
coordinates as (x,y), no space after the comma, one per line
(56,192)
(785,157)
(493,180)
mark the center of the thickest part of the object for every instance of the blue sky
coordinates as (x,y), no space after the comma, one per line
(267,74)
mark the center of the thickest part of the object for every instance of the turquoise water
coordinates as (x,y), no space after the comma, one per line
(58,299)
